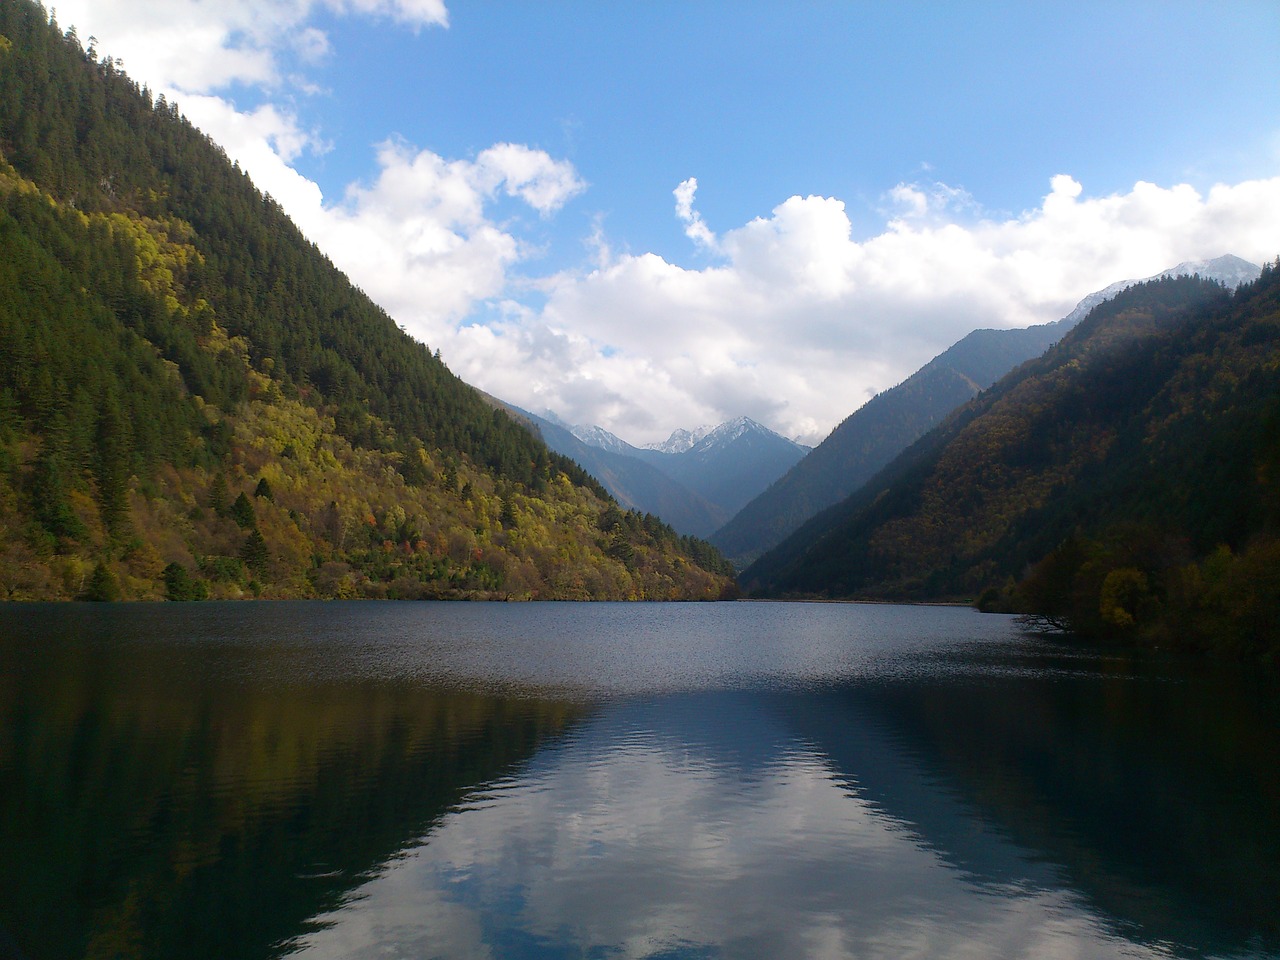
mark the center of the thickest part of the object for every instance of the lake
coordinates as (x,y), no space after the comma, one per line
(756,780)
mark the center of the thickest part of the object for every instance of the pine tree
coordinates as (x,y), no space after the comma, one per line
(242,513)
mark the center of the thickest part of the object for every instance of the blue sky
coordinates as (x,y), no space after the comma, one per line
(872,180)
(762,101)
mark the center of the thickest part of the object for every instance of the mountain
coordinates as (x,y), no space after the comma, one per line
(194,401)
(602,439)
(1125,485)
(681,440)
(634,483)
(1229,270)
(694,481)
(727,465)
(887,424)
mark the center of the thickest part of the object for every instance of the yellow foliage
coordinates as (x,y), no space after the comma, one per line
(1122,590)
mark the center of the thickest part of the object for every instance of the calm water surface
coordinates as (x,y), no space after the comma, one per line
(622,780)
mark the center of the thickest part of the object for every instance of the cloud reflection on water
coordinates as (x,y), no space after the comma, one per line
(693,827)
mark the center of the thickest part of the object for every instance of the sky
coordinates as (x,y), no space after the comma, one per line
(655,215)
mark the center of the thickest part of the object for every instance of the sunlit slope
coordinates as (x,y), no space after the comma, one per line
(194,401)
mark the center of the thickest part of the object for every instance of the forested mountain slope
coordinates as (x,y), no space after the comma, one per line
(874,434)
(1133,472)
(890,422)
(194,400)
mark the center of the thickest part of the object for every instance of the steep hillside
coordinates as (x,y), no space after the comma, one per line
(194,401)
(872,436)
(877,432)
(1137,463)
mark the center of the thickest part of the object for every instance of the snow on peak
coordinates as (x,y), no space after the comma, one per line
(680,440)
(708,438)
(730,431)
(599,437)
(1229,270)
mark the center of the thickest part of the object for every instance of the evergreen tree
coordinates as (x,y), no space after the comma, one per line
(254,552)
(180,585)
(103,584)
(242,513)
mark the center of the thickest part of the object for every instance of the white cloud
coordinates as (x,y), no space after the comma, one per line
(532,175)
(694,228)
(801,323)
(419,240)
(192,46)
(312,45)
(913,201)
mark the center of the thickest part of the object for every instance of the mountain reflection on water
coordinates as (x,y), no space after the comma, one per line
(780,780)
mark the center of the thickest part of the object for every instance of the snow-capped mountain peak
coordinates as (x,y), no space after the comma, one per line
(706,438)
(728,432)
(600,438)
(1229,270)
(680,440)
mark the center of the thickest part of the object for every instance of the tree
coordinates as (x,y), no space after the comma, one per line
(620,548)
(113,443)
(218,494)
(180,585)
(507,516)
(103,585)
(48,498)
(254,552)
(242,513)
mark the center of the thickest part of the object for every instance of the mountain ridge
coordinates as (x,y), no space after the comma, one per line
(1123,486)
(635,483)
(871,436)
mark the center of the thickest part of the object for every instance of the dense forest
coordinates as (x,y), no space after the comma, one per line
(195,402)
(1124,486)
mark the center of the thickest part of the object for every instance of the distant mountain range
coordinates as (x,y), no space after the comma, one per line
(747,488)
(694,481)
(634,483)
(729,464)
(681,440)
(890,422)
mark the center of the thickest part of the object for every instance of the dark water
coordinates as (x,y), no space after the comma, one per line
(611,780)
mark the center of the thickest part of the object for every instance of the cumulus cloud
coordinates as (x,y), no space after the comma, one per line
(917,202)
(419,238)
(191,46)
(532,175)
(801,323)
